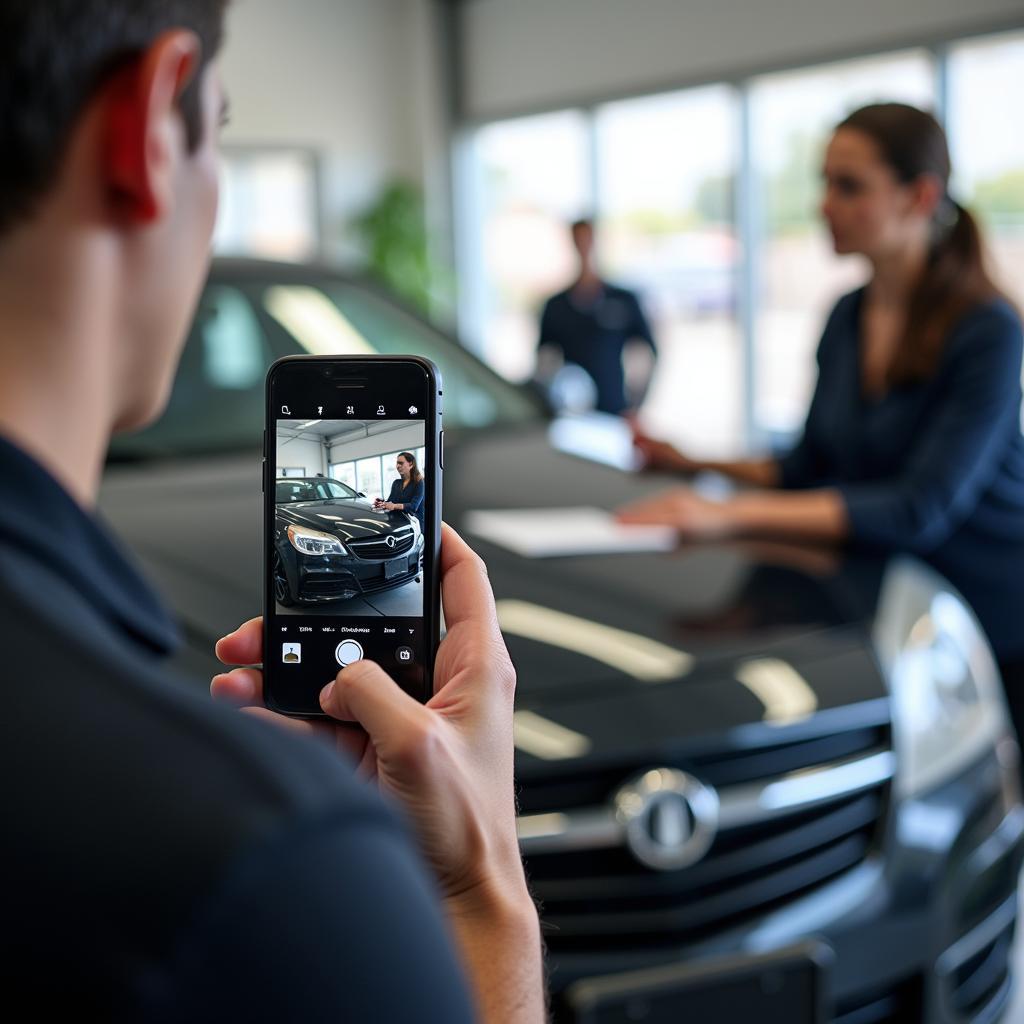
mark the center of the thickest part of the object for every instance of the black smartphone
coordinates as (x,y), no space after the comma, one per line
(352,523)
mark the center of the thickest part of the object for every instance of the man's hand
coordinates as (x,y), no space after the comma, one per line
(450,763)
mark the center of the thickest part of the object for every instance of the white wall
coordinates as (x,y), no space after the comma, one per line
(347,77)
(299,452)
(530,54)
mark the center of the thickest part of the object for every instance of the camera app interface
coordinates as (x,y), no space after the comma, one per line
(347,554)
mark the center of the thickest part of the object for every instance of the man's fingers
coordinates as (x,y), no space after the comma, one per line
(366,694)
(244,646)
(241,686)
(465,588)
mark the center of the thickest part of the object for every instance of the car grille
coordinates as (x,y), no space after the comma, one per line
(378,549)
(597,895)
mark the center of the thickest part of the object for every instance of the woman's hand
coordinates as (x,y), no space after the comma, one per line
(693,516)
(449,762)
(662,455)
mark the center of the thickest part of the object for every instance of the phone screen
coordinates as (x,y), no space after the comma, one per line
(351,490)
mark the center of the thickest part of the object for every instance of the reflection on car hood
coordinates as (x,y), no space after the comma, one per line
(633,652)
(348,518)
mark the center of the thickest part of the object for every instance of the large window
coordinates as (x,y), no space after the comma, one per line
(707,204)
(797,278)
(666,167)
(986,84)
(373,476)
(532,178)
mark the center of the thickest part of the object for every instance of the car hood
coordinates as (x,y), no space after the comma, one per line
(706,645)
(348,518)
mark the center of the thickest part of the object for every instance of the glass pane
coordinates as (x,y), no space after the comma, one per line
(329,317)
(368,477)
(390,473)
(534,179)
(346,473)
(988,156)
(268,204)
(217,400)
(800,278)
(668,232)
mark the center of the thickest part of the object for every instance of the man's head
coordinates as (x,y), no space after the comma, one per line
(109,112)
(582,232)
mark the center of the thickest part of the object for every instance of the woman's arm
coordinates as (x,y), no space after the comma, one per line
(813,515)
(663,455)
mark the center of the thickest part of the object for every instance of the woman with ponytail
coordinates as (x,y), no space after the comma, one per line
(913,438)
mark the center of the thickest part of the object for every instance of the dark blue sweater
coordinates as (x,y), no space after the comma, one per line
(936,467)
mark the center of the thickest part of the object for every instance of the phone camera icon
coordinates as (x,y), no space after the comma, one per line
(404,655)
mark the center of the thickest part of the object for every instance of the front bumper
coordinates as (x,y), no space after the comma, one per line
(322,578)
(921,929)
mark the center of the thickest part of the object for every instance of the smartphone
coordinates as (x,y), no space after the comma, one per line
(352,523)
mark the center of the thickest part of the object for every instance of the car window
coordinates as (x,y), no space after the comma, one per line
(310,490)
(241,326)
(334,317)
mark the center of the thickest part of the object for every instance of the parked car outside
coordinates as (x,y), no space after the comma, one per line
(724,752)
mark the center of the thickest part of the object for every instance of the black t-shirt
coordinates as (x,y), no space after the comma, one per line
(593,333)
(168,859)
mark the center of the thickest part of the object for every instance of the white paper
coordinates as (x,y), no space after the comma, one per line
(550,532)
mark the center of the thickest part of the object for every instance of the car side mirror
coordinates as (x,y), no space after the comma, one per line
(360,493)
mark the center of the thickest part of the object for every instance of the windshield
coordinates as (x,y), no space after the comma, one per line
(311,490)
(244,322)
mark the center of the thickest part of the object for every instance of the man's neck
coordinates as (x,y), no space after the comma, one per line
(56,329)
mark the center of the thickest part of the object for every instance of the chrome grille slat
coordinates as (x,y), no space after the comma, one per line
(740,806)
(378,548)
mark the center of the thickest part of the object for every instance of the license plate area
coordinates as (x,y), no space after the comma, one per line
(396,567)
(783,987)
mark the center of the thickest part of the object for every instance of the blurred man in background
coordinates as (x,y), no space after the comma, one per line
(602,329)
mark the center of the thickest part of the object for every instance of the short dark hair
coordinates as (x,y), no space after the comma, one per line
(583,222)
(55,54)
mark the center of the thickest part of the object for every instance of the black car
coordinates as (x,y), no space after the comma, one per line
(331,544)
(727,753)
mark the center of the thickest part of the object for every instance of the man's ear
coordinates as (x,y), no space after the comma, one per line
(144,135)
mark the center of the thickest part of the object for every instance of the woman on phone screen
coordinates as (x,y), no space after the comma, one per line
(407,491)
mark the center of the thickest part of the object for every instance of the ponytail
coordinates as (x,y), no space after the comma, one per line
(955,279)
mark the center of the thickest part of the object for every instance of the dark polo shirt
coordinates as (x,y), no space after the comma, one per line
(165,858)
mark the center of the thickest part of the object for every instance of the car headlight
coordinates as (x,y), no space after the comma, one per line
(948,706)
(313,542)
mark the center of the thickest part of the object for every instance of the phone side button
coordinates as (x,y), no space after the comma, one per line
(263,476)
(440,449)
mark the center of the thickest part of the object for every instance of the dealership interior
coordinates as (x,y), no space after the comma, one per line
(724,298)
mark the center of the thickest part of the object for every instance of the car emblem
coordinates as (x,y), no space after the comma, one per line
(669,817)
(390,541)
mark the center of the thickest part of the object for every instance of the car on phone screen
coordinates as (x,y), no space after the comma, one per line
(726,753)
(331,544)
